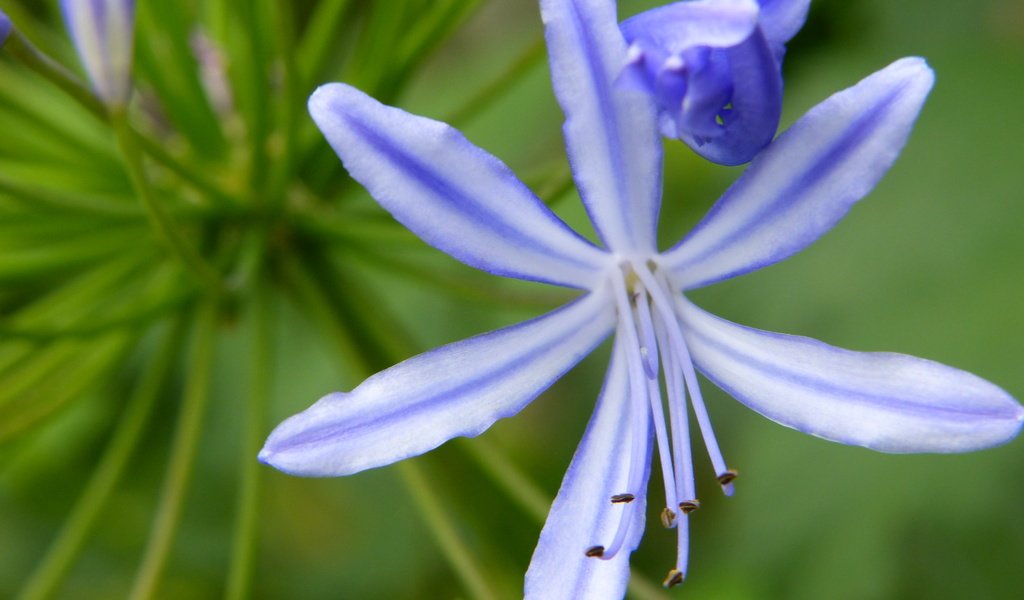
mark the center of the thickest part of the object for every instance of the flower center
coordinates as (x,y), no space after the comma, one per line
(662,383)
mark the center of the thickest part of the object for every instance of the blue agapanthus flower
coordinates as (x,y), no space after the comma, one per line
(465,202)
(103,32)
(714,68)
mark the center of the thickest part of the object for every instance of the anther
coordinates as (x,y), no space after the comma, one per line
(623,498)
(668,518)
(688,506)
(728,476)
(674,578)
(595,551)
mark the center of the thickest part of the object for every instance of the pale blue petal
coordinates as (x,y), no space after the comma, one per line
(455,390)
(103,32)
(674,28)
(583,515)
(451,193)
(610,130)
(782,19)
(883,401)
(801,185)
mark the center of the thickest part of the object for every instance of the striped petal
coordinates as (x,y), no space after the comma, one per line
(451,193)
(455,390)
(886,402)
(103,32)
(582,514)
(610,130)
(806,180)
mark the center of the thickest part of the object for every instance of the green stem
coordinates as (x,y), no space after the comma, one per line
(182,458)
(247,519)
(455,551)
(22,49)
(45,581)
(520,67)
(444,531)
(159,219)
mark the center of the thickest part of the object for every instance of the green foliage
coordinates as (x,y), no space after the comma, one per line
(177,278)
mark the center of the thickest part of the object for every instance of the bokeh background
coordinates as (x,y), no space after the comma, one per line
(930,264)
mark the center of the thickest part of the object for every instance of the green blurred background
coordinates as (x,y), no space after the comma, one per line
(930,264)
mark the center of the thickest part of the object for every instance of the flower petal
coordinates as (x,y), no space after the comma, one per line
(676,27)
(610,130)
(103,32)
(455,390)
(451,193)
(883,401)
(582,514)
(781,19)
(801,185)
(719,57)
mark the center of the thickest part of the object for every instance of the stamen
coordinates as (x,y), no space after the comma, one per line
(688,506)
(674,578)
(623,498)
(682,355)
(648,340)
(595,551)
(728,476)
(668,518)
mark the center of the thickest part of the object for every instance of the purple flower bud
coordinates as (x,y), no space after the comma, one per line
(714,69)
(103,32)
(5,28)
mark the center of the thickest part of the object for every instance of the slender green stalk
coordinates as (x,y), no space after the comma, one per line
(319,39)
(444,531)
(22,49)
(454,549)
(50,573)
(524,492)
(247,518)
(30,56)
(512,75)
(159,219)
(182,458)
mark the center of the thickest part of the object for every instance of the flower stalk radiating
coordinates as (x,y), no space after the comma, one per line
(465,202)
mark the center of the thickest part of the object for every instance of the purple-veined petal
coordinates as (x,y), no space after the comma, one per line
(781,19)
(582,514)
(801,185)
(676,27)
(451,193)
(455,390)
(103,32)
(610,130)
(883,401)
(5,28)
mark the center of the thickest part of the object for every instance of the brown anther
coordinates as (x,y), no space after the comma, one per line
(623,498)
(688,506)
(595,551)
(727,477)
(668,518)
(674,578)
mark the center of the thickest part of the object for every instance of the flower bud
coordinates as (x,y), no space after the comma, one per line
(5,28)
(714,69)
(103,32)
